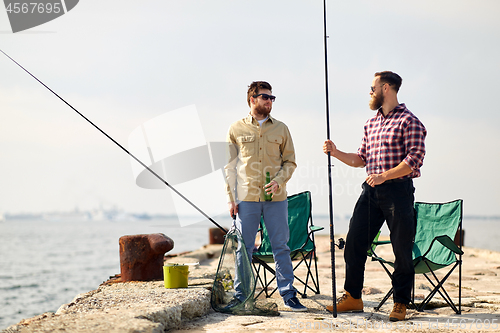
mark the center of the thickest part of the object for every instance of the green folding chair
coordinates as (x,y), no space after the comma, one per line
(434,249)
(301,244)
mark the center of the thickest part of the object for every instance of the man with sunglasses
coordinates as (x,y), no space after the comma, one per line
(260,144)
(392,150)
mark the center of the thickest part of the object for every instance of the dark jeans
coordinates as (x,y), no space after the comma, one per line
(393,202)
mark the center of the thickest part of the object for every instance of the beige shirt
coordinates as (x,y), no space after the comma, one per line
(254,150)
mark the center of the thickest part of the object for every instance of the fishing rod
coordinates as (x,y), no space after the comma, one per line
(332,240)
(119,145)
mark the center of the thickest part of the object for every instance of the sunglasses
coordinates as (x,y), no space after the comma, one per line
(373,88)
(266,97)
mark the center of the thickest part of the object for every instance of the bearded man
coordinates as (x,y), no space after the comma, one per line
(392,150)
(261,144)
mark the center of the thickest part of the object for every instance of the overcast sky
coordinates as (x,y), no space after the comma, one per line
(122,63)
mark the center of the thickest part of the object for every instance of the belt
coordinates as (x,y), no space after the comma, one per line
(397,180)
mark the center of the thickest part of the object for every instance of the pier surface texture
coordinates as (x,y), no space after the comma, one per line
(150,307)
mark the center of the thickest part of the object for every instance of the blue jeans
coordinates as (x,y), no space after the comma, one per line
(275,214)
(391,202)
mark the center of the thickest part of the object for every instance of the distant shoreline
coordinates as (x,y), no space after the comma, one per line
(146,216)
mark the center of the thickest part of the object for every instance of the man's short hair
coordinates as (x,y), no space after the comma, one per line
(390,77)
(255,87)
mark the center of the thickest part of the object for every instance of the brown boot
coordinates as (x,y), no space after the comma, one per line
(398,312)
(347,303)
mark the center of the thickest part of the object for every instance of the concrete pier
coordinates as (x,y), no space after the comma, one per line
(149,307)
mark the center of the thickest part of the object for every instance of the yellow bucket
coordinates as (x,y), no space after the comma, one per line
(175,276)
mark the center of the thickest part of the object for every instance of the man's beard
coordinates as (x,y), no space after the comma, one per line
(376,102)
(262,110)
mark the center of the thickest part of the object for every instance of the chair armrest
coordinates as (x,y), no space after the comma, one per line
(374,257)
(315,228)
(377,243)
(447,242)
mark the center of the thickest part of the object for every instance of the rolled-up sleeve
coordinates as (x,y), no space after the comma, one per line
(230,168)
(288,158)
(362,148)
(414,141)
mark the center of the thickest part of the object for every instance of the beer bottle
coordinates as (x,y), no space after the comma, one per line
(268,196)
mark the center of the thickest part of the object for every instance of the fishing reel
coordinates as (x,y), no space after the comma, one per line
(341,244)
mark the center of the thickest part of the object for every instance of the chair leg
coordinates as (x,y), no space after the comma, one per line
(258,279)
(412,304)
(308,262)
(267,282)
(316,282)
(386,297)
(302,260)
(438,288)
(263,280)
(460,281)
(309,275)
(413,290)
(310,279)
(308,265)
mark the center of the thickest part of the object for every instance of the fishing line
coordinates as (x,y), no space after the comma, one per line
(332,240)
(119,145)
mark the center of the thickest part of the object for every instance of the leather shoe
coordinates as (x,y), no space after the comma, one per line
(347,303)
(398,312)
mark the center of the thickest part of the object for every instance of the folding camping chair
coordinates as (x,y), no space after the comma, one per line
(301,244)
(434,248)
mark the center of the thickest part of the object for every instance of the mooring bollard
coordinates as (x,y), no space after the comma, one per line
(459,237)
(216,236)
(141,256)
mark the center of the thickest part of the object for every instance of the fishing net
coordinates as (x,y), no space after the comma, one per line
(234,284)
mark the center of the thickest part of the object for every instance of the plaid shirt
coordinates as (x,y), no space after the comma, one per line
(389,140)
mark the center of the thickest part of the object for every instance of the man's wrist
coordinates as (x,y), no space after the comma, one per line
(384,176)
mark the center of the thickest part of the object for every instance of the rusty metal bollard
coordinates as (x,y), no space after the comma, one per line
(141,256)
(216,236)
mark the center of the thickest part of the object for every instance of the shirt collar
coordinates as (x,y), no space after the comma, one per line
(398,108)
(249,119)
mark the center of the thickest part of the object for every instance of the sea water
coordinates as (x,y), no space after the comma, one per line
(44,264)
